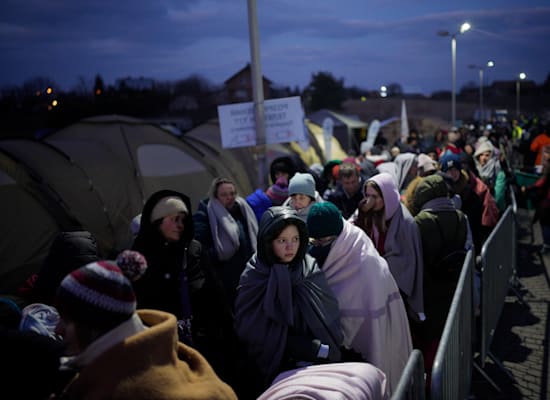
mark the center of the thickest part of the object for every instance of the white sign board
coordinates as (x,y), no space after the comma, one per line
(284,122)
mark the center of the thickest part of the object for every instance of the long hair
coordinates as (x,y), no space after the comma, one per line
(367,220)
(216,183)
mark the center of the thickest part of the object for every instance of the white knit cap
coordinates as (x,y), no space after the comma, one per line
(168,206)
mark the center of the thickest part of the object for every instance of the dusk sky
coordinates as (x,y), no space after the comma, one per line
(369,43)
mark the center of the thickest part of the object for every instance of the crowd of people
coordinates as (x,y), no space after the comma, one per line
(334,273)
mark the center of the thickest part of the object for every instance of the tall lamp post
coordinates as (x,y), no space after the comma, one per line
(489,64)
(463,28)
(257,93)
(521,77)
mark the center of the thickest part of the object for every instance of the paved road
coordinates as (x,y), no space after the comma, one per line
(521,340)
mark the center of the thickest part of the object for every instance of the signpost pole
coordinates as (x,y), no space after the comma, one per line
(258,94)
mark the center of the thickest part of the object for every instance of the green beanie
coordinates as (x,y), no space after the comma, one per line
(323,220)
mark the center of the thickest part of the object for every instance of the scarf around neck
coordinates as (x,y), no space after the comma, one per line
(225,230)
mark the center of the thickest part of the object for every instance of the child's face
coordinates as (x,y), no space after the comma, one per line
(286,245)
(300,201)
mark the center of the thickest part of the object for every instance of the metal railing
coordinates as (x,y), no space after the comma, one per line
(412,384)
(497,260)
(454,360)
(452,368)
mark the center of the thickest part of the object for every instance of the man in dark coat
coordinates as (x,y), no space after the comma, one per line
(347,194)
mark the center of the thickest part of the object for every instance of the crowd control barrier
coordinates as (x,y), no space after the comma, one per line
(412,384)
(498,257)
(454,360)
(515,283)
(452,368)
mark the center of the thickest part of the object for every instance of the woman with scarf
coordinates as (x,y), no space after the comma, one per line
(180,279)
(227,226)
(493,171)
(395,235)
(285,313)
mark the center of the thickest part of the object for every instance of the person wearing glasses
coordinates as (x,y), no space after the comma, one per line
(372,313)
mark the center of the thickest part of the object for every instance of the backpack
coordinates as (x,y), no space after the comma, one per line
(449,264)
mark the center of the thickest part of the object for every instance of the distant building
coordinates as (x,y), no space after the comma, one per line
(238,87)
(138,84)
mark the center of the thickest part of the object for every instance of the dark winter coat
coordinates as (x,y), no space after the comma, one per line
(472,206)
(68,252)
(347,205)
(284,312)
(161,286)
(229,270)
(443,230)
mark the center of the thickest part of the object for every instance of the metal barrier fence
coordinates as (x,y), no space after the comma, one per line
(512,201)
(412,384)
(454,360)
(498,257)
(515,283)
(452,368)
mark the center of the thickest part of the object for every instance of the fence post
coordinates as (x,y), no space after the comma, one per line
(412,384)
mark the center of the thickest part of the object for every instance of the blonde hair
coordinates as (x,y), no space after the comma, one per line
(216,183)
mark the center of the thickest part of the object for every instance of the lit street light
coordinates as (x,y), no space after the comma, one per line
(489,64)
(521,77)
(463,28)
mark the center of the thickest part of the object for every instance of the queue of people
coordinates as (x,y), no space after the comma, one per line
(250,297)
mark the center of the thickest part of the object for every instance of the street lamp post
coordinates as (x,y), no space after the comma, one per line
(521,77)
(489,64)
(257,93)
(463,28)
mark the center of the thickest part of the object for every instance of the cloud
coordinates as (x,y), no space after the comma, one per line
(365,41)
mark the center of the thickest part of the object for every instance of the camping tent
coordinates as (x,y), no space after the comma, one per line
(94,175)
(209,135)
(32,211)
(347,128)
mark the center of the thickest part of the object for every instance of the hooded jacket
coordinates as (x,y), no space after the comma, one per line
(443,230)
(279,303)
(402,246)
(162,287)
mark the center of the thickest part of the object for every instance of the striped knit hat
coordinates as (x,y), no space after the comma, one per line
(278,192)
(98,295)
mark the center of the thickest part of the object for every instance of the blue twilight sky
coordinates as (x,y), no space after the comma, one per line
(367,42)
